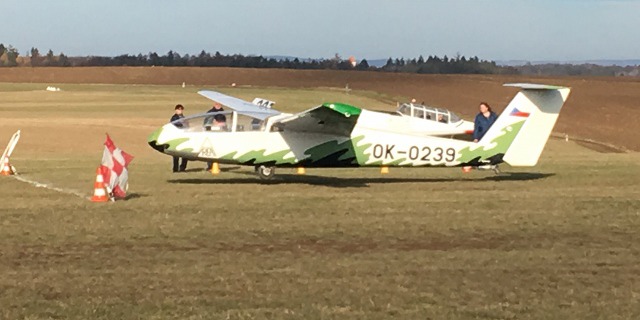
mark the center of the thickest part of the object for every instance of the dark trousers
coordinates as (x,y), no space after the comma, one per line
(176,161)
(209,164)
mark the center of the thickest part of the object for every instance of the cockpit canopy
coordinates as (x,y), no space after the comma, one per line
(427,113)
(223,121)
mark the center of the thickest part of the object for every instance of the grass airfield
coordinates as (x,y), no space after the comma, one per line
(559,240)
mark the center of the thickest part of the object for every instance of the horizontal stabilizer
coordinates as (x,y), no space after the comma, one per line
(533,86)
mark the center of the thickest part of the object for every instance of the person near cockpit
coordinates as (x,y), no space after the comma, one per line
(216,122)
(177,167)
(209,120)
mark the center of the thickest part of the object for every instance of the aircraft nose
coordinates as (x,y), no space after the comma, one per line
(153,140)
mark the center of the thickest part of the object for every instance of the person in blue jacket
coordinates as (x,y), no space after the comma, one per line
(483,121)
(177,167)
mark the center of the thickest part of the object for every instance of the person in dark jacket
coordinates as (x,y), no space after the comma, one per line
(484,120)
(210,121)
(177,167)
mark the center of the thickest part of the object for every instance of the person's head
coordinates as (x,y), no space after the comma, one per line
(484,107)
(219,120)
(217,106)
(179,108)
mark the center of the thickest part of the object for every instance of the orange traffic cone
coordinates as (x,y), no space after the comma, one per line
(467,169)
(215,168)
(301,170)
(384,170)
(99,189)
(7,169)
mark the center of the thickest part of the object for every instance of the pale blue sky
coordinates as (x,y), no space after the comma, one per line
(490,29)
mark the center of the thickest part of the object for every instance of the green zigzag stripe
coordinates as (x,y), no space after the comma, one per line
(228,156)
(359,150)
(154,135)
(175,143)
(259,157)
(329,148)
(501,142)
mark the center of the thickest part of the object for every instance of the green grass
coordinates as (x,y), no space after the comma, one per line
(555,241)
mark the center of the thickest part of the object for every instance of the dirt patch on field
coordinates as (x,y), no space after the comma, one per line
(599,147)
(600,109)
(478,241)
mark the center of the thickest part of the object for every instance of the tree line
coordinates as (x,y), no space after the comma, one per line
(445,65)
(9,57)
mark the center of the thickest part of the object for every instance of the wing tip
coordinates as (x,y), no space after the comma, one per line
(534,86)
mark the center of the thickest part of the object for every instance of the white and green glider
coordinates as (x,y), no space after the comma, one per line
(341,135)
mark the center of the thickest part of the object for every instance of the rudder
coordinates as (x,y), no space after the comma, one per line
(523,128)
(541,104)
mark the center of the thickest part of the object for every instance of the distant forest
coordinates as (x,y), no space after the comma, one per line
(10,57)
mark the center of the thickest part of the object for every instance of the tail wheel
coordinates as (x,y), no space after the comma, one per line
(265,173)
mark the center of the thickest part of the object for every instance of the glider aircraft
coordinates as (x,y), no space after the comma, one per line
(341,135)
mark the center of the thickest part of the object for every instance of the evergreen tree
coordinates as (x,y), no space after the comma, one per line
(363,65)
(202,59)
(36,60)
(12,56)
(141,60)
(63,61)
(218,60)
(169,59)
(154,59)
(49,60)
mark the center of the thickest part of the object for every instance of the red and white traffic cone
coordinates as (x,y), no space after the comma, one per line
(7,169)
(99,189)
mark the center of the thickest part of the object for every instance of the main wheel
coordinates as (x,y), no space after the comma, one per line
(265,173)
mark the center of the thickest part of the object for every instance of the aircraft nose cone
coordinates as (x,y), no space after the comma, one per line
(153,140)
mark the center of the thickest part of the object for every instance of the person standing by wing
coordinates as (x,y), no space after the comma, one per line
(484,120)
(177,167)
(209,124)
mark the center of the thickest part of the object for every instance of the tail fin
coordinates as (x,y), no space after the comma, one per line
(523,128)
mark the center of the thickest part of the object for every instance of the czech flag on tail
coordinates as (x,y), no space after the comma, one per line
(517,113)
(114,169)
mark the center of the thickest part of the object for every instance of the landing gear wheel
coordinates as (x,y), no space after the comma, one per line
(265,173)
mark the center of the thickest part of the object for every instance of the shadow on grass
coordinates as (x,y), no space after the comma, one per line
(518,176)
(135,196)
(223,169)
(338,182)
